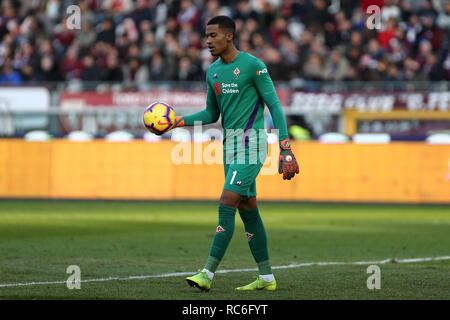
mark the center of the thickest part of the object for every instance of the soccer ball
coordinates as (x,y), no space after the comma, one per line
(159,118)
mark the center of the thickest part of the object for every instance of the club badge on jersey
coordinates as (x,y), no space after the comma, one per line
(236,73)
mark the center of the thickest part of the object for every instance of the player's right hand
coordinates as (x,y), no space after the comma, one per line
(288,165)
(179,122)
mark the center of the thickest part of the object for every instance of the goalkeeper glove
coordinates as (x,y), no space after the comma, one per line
(179,122)
(288,165)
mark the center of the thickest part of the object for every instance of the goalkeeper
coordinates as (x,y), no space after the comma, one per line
(238,85)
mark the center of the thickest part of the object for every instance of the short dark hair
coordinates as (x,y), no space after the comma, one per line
(224,22)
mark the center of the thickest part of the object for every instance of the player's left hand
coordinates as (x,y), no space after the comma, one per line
(288,165)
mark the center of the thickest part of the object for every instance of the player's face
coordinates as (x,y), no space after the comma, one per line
(217,39)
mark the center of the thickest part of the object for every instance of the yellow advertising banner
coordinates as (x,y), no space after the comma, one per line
(403,172)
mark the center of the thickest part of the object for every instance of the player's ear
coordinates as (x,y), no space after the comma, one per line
(229,36)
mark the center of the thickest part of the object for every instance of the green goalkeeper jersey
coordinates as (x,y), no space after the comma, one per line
(238,91)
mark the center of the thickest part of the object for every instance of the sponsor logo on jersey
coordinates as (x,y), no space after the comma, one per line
(258,73)
(215,76)
(249,236)
(239,183)
(219,229)
(230,87)
(236,73)
(217,87)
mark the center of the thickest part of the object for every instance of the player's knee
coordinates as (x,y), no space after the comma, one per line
(230,199)
(247,204)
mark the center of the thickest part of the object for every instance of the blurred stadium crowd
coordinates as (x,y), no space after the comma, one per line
(149,40)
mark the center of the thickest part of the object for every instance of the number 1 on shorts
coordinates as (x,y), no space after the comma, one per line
(234,176)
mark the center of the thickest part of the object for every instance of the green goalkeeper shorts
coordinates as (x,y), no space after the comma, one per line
(240,175)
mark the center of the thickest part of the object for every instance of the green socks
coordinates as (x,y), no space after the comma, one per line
(256,236)
(224,233)
(257,239)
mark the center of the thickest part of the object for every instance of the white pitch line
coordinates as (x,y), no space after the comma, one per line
(181,274)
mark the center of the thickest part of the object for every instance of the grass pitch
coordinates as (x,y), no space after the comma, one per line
(40,239)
